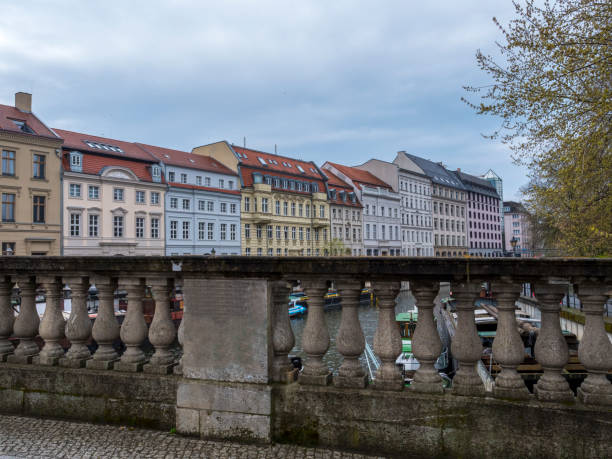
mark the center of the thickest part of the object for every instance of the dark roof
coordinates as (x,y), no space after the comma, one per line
(437,172)
(515,207)
(10,114)
(476,184)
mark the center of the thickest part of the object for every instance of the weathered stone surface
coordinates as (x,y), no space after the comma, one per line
(242,427)
(227,331)
(243,398)
(410,424)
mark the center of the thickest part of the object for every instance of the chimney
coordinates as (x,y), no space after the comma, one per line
(458,170)
(23,101)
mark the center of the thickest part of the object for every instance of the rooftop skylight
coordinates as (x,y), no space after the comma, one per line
(262,161)
(299,168)
(103,146)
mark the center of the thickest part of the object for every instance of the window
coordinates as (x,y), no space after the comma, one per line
(118,194)
(173,229)
(156,173)
(206,181)
(270,231)
(38,207)
(301,233)
(307,210)
(247,230)
(154,197)
(278,252)
(8,207)
(210,206)
(247,251)
(186,204)
(232,208)
(233,232)
(38,167)
(173,203)
(118,226)
(183,178)
(140,227)
(221,183)
(93,192)
(201,231)
(75,225)
(258,232)
(185,230)
(75,190)
(278,232)
(8,162)
(211,231)
(259,252)
(8,248)
(286,232)
(140,197)
(247,204)
(171,176)
(230,184)
(223,232)
(201,205)
(308,234)
(93,225)
(198,180)
(285,208)
(322,211)
(155,228)
(264,205)
(277,207)
(301,210)
(223,208)
(293,209)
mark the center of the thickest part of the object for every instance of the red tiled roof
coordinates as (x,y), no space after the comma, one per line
(8,113)
(204,188)
(185,159)
(360,176)
(93,164)
(335,182)
(76,141)
(309,168)
(247,179)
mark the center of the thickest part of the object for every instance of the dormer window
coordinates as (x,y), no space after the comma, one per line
(23,126)
(76,161)
(156,173)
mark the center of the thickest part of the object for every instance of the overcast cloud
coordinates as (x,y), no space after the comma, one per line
(338,80)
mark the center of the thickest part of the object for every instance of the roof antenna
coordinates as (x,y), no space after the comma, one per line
(275,149)
(244,142)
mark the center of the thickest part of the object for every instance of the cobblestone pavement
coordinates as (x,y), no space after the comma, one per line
(22,437)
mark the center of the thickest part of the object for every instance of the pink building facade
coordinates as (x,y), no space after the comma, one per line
(516,225)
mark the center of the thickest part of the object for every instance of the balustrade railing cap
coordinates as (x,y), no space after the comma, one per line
(370,268)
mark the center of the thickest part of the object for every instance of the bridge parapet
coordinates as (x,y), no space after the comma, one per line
(236,334)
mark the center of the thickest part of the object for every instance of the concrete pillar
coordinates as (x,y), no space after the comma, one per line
(283,339)
(78,326)
(595,349)
(26,324)
(350,341)
(508,348)
(551,349)
(7,317)
(315,338)
(466,346)
(162,331)
(52,325)
(134,328)
(225,391)
(426,344)
(105,328)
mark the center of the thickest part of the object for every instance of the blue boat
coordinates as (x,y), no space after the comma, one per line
(296,309)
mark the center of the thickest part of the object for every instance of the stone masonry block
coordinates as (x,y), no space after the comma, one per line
(241,398)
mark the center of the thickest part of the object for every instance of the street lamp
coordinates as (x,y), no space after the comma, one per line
(513,243)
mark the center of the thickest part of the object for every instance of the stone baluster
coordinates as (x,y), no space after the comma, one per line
(508,348)
(551,349)
(426,344)
(162,331)
(26,324)
(466,346)
(282,334)
(180,336)
(78,326)
(350,341)
(52,325)
(595,349)
(105,328)
(387,338)
(7,317)
(134,328)
(315,338)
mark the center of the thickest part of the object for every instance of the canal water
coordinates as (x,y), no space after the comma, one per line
(368,316)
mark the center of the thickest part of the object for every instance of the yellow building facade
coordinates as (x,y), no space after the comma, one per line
(30,182)
(284,206)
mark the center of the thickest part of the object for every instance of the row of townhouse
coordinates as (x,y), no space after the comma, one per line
(72,193)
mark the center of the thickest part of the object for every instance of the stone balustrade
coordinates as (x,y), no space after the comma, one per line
(222,285)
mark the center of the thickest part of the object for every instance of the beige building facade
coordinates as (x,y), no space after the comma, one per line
(30,186)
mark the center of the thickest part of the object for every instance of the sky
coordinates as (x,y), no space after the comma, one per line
(338,80)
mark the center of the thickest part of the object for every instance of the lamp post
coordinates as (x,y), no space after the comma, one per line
(513,243)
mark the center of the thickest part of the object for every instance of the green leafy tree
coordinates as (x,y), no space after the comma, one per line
(551,89)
